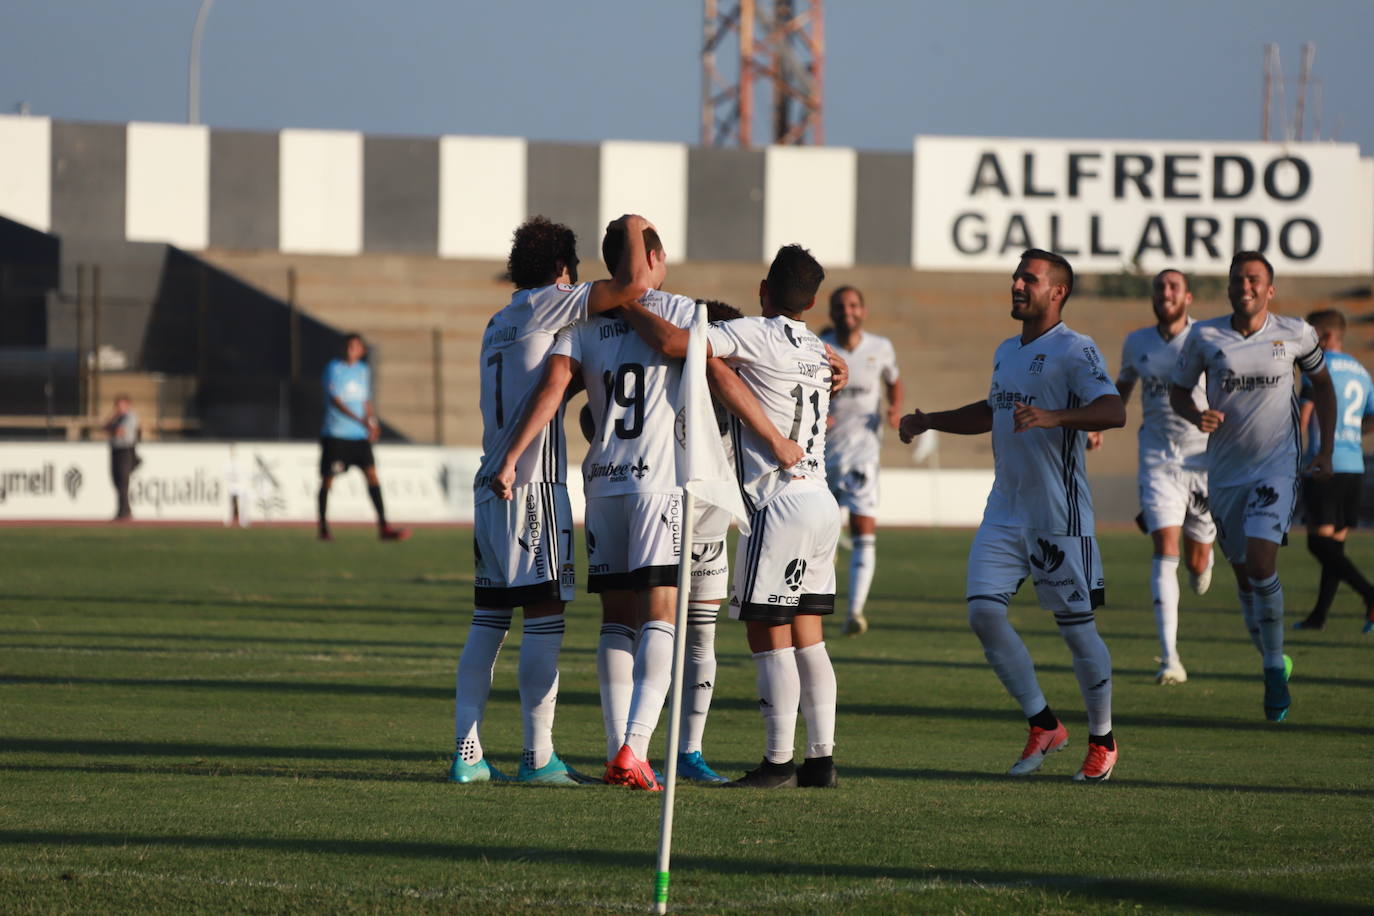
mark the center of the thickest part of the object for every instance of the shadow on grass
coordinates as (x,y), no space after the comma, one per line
(209,601)
(1109,891)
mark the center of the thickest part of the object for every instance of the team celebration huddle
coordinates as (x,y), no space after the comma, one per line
(1221,460)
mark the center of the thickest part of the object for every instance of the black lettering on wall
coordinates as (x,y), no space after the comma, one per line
(1133,167)
(1095,246)
(1240,237)
(977,237)
(1174,173)
(1077,171)
(1224,184)
(1056,245)
(1314,239)
(988,174)
(1154,237)
(1017,237)
(1201,230)
(1302,172)
(1028,187)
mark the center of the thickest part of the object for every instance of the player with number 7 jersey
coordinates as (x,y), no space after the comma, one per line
(523,548)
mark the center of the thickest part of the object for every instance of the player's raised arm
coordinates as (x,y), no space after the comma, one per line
(735,395)
(632,274)
(664,336)
(542,408)
(969,420)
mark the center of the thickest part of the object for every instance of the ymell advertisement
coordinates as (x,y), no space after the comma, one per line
(1107,205)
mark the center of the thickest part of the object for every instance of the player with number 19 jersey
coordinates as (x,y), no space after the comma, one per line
(538,562)
(784,566)
(634,504)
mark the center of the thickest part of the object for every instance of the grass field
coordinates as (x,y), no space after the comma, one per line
(206,720)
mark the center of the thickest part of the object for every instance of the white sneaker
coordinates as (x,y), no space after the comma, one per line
(855,626)
(1171,673)
(1200,582)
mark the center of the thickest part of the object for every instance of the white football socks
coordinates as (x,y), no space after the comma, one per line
(1247,610)
(1268,601)
(653,673)
(1092,665)
(861,566)
(472,684)
(539,647)
(1164,588)
(699,675)
(818,693)
(615,664)
(1006,653)
(779,697)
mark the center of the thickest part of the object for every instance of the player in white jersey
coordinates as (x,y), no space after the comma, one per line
(1249,358)
(1049,387)
(634,505)
(1173,464)
(523,547)
(784,569)
(854,435)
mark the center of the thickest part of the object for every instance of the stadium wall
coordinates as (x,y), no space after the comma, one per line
(277,482)
(340,192)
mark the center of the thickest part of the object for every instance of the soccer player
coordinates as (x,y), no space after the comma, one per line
(634,506)
(1333,505)
(1173,464)
(1252,450)
(1049,387)
(854,436)
(523,546)
(350,428)
(784,569)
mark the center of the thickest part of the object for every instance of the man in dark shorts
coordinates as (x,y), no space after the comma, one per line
(350,428)
(1333,505)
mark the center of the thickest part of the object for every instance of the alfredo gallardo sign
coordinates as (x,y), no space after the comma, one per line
(1108,204)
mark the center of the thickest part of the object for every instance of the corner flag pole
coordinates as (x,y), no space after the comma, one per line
(684,585)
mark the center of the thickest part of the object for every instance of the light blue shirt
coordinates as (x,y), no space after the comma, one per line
(353,386)
(1354,402)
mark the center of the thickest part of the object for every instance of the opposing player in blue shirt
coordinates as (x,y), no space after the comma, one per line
(350,428)
(1333,506)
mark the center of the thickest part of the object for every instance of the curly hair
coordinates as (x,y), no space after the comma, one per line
(719,311)
(536,250)
(793,278)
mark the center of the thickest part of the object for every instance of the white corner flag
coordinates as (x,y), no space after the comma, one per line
(704,474)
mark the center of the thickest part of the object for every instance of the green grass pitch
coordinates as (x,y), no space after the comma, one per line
(196,720)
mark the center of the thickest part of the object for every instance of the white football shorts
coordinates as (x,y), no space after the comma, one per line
(710,571)
(523,547)
(854,486)
(1065,570)
(634,541)
(785,566)
(1173,497)
(1262,509)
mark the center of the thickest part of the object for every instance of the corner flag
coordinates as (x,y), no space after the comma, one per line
(704,474)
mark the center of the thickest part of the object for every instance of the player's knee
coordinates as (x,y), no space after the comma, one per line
(984,616)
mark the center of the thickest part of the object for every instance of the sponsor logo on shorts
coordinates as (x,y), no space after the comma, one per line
(1075,596)
(707,553)
(1051,557)
(784,600)
(598,569)
(672,520)
(534,530)
(1055,583)
(1265,496)
(794,573)
(591,541)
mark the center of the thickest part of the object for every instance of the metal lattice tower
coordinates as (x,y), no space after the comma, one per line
(780,42)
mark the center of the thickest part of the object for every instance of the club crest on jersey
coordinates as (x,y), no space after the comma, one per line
(565,287)
(1037,365)
(1278,351)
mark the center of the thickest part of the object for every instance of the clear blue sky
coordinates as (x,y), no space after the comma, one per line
(628,69)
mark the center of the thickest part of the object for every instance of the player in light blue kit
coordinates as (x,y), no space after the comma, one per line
(350,428)
(1333,506)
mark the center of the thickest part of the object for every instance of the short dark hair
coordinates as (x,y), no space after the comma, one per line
(839,291)
(719,311)
(1187,286)
(536,250)
(613,245)
(1245,257)
(793,278)
(1328,321)
(1061,270)
(352,336)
